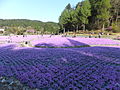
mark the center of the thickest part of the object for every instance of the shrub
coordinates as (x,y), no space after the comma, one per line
(115,28)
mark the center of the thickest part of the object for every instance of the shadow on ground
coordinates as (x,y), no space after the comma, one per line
(72,43)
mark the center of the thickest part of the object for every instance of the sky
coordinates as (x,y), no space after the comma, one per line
(42,10)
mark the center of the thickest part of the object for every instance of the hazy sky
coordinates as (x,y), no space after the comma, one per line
(43,10)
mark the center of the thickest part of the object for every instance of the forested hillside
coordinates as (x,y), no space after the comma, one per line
(19,26)
(91,15)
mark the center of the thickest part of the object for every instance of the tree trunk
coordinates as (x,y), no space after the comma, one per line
(84,27)
(74,33)
(64,31)
(116,17)
(110,22)
(103,28)
(77,27)
(68,31)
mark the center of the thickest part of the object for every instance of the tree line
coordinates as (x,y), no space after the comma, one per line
(91,15)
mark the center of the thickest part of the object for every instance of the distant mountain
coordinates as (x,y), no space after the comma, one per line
(30,24)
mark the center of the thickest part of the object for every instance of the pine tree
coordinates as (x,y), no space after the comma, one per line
(103,12)
(64,19)
(115,10)
(83,12)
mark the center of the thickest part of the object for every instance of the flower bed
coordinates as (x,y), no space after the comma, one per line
(85,68)
(72,42)
(18,38)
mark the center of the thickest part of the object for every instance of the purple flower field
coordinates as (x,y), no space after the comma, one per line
(57,41)
(88,68)
(19,38)
(71,42)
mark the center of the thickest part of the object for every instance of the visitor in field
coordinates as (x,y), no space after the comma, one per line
(90,35)
(99,35)
(51,34)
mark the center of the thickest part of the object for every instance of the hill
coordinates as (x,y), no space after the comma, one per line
(19,26)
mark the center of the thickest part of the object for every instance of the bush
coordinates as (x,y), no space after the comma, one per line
(115,28)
